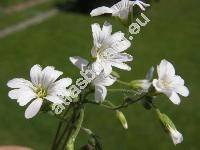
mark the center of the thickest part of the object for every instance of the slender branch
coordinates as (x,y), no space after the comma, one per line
(58,140)
(72,137)
(56,136)
(113,107)
(122,90)
(62,119)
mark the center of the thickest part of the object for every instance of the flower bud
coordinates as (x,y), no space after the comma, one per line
(170,127)
(141,84)
(122,119)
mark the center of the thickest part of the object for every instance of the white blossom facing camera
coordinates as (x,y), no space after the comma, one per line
(121,9)
(168,83)
(100,81)
(43,86)
(107,49)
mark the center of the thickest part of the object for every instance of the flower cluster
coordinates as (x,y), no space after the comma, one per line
(107,53)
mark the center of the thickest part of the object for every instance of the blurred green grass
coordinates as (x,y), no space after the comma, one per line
(173,33)
(14,18)
(6,3)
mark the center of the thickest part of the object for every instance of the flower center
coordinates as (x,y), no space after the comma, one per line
(41,92)
(166,84)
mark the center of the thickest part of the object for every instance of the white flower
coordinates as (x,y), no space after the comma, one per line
(43,86)
(107,49)
(169,83)
(176,136)
(100,82)
(122,9)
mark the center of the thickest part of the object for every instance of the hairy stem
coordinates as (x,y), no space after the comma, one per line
(75,131)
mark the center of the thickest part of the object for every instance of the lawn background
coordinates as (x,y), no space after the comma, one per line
(173,33)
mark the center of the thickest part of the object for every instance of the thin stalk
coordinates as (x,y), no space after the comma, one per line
(113,107)
(56,136)
(72,138)
(59,128)
(59,139)
(122,90)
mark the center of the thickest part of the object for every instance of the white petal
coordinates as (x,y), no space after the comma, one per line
(36,74)
(141,4)
(14,94)
(107,69)
(101,10)
(104,80)
(49,75)
(165,69)
(121,45)
(99,36)
(176,136)
(177,81)
(113,39)
(64,82)
(26,97)
(121,66)
(122,57)
(79,62)
(23,96)
(157,85)
(97,67)
(145,4)
(106,30)
(117,42)
(182,90)
(100,93)
(174,97)
(96,32)
(122,9)
(33,108)
(59,87)
(141,7)
(54,99)
(19,83)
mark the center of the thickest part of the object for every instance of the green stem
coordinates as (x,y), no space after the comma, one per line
(61,133)
(113,107)
(122,90)
(56,136)
(73,135)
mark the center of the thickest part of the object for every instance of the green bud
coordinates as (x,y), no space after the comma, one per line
(149,75)
(166,121)
(140,84)
(122,119)
(170,128)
